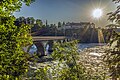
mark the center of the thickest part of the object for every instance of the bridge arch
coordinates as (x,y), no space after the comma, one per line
(49,46)
(39,46)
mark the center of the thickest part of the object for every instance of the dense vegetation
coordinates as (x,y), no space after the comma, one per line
(13,60)
(14,35)
(36,24)
(113,55)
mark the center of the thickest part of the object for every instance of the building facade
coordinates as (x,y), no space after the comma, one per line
(78,25)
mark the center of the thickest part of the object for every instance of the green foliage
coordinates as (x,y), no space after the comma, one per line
(13,60)
(36,24)
(7,7)
(30,20)
(39,22)
(115,16)
(39,74)
(113,55)
(67,52)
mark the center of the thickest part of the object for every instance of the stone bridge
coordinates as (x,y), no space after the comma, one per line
(41,43)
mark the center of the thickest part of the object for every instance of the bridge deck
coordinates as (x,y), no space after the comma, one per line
(47,38)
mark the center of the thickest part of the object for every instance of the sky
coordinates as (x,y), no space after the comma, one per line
(67,10)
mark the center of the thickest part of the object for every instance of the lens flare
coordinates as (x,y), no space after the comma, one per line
(100,36)
(97,13)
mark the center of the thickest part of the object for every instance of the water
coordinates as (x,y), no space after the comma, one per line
(96,52)
(33,49)
(82,46)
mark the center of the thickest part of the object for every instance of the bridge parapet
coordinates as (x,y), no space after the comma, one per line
(47,38)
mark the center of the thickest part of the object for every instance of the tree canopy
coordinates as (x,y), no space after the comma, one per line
(113,55)
(13,60)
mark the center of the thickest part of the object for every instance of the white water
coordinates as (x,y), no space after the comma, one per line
(89,45)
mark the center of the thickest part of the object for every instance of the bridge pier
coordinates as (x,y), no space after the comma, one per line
(40,48)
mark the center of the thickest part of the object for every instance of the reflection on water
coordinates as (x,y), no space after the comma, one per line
(89,45)
(33,49)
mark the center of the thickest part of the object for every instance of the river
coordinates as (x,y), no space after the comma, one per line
(89,45)
(81,46)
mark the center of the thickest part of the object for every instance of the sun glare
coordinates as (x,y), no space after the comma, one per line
(97,13)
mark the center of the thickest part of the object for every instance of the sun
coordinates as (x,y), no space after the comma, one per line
(97,13)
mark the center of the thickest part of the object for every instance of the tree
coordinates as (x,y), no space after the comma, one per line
(63,23)
(39,23)
(115,16)
(46,23)
(30,20)
(21,20)
(67,52)
(59,24)
(113,55)
(13,60)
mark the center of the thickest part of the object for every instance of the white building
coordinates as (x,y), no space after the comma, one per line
(78,25)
